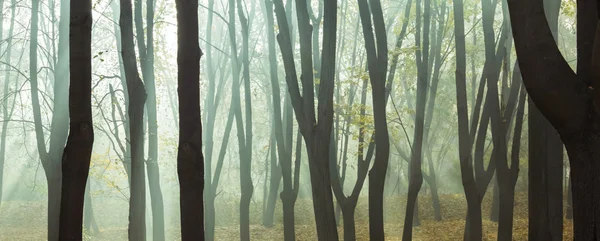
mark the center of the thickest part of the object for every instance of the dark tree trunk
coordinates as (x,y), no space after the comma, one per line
(190,161)
(78,151)
(494,211)
(377,58)
(474,224)
(545,178)
(545,162)
(416,176)
(570,104)
(135,111)
(349,225)
(316,134)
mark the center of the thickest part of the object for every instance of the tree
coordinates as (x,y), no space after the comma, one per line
(567,99)
(146,52)
(416,175)
(190,161)
(78,151)
(283,139)
(50,158)
(244,132)
(545,161)
(135,111)
(6,113)
(377,61)
(464,138)
(316,134)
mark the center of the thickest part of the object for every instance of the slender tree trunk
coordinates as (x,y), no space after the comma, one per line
(474,224)
(146,51)
(190,161)
(246,184)
(416,177)
(7,115)
(135,110)
(377,57)
(58,127)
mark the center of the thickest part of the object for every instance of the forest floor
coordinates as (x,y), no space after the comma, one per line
(26,220)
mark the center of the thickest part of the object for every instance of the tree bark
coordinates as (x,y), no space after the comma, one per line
(568,101)
(416,176)
(474,224)
(316,134)
(78,151)
(135,111)
(190,161)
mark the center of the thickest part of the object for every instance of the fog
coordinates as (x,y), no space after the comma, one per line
(337,119)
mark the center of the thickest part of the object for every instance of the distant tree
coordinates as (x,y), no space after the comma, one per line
(146,53)
(135,111)
(243,125)
(567,99)
(78,151)
(6,111)
(190,161)
(51,157)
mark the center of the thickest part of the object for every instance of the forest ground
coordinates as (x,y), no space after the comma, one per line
(26,220)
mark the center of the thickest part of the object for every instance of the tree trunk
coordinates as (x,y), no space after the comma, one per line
(473,224)
(146,52)
(494,211)
(288,201)
(247,188)
(416,176)
(78,151)
(377,57)
(349,225)
(316,134)
(7,115)
(135,110)
(545,178)
(569,103)
(582,147)
(58,127)
(190,161)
